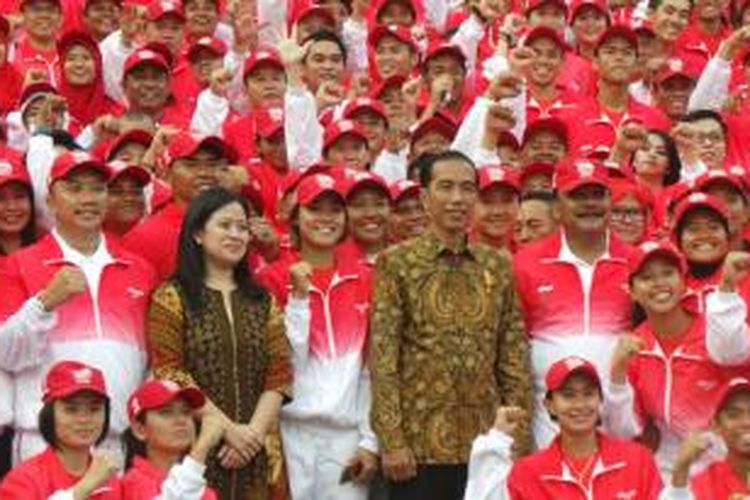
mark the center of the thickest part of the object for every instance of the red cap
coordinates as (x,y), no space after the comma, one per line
(537,168)
(185,144)
(145,56)
(294,177)
(34,90)
(359,179)
(312,186)
(339,129)
(580,172)
(11,172)
(123,169)
(400,33)
(578,5)
(269,121)
(679,66)
(639,25)
(160,8)
(553,125)
(209,43)
(312,9)
(391,81)
(155,394)
(562,370)
(56,2)
(700,200)
(545,32)
(719,176)
(438,123)
(439,46)
(618,31)
(365,103)
(648,249)
(508,138)
(495,175)
(532,5)
(76,37)
(623,186)
(737,384)
(134,135)
(263,56)
(70,377)
(70,161)
(404,187)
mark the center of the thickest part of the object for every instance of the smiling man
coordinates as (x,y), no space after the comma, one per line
(573,284)
(447,341)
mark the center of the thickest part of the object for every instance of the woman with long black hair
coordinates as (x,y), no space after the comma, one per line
(211,326)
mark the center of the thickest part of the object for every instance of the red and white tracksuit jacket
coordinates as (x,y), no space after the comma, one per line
(43,477)
(623,470)
(679,392)
(103,327)
(570,309)
(717,482)
(184,481)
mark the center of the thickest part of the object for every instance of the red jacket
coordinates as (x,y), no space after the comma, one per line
(144,481)
(623,470)
(156,239)
(239,132)
(553,300)
(43,475)
(718,481)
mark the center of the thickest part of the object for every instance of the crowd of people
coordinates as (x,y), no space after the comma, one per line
(388,250)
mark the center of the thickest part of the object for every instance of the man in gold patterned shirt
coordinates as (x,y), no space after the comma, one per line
(447,344)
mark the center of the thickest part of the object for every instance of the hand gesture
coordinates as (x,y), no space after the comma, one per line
(262,233)
(102,467)
(361,468)
(684,136)
(627,347)
(330,93)
(690,450)
(505,85)
(499,119)
(221,78)
(68,282)
(399,465)
(521,59)
(508,419)
(106,126)
(441,90)
(410,90)
(736,267)
(300,275)
(35,75)
(52,112)
(290,51)
(734,43)
(630,137)
(360,86)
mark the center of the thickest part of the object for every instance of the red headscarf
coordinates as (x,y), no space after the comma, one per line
(85,102)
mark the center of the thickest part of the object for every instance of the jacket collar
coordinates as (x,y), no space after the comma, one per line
(52,254)
(616,251)
(608,460)
(433,248)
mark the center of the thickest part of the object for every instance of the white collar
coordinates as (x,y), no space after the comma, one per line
(101,255)
(566,253)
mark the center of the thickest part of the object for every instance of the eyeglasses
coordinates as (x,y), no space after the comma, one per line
(632,214)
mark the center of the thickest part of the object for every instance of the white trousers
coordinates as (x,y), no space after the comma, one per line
(315,458)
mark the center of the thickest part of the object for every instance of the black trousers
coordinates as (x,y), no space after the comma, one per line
(6,451)
(433,482)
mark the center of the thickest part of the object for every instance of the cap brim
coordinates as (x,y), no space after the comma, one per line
(584,370)
(138,173)
(568,188)
(62,394)
(193,396)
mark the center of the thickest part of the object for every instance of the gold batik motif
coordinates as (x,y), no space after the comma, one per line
(447,348)
(233,366)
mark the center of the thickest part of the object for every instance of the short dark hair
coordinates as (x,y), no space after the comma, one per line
(46,421)
(706,114)
(703,211)
(426,170)
(326,36)
(545,195)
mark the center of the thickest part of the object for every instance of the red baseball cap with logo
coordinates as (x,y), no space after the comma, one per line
(562,370)
(161,8)
(362,104)
(532,5)
(618,31)
(358,179)
(719,176)
(264,56)
(496,175)
(186,144)
(404,187)
(142,57)
(397,81)
(554,126)
(121,169)
(70,377)
(537,168)
(34,90)
(735,385)
(686,67)
(439,46)
(135,135)
(648,249)
(400,33)
(70,161)
(578,5)
(208,44)
(439,124)
(312,8)
(11,172)
(339,129)
(313,186)
(700,200)
(540,32)
(269,122)
(155,394)
(580,172)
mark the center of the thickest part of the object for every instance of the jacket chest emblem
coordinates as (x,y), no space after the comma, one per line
(545,288)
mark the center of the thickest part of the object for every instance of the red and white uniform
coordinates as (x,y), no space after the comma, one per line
(43,477)
(156,239)
(570,308)
(329,416)
(623,469)
(184,481)
(678,385)
(718,481)
(103,327)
